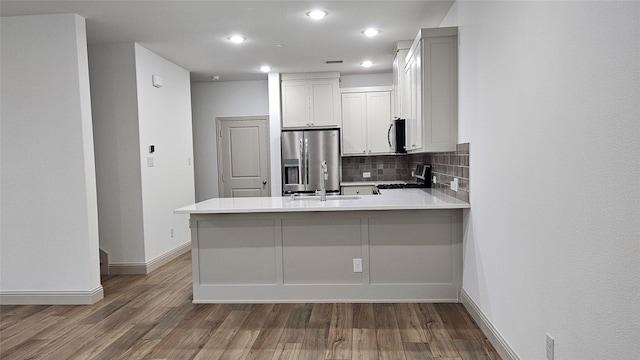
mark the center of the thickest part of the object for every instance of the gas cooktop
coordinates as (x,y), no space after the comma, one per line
(402,186)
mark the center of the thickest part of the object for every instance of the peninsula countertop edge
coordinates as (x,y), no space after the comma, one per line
(388,199)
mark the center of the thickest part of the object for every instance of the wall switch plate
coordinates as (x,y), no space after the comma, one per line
(357,265)
(366,174)
(550,342)
(150,161)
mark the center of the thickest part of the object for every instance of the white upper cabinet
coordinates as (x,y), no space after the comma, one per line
(366,116)
(430,101)
(310,100)
(402,49)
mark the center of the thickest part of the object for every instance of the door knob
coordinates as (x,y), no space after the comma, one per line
(264,182)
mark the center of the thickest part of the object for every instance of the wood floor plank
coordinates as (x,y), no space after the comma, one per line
(340,335)
(470,350)
(297,323)
(388,333)
(267,342)
(223,336)
(363,317)
(240,346)
(179,334)
(417,351)
(365,344)
(152,317)
(411,330)
(287,351)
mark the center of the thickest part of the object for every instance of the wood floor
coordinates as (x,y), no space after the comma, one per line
(152,317)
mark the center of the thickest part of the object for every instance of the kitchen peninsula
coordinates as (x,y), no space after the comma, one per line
(401,245)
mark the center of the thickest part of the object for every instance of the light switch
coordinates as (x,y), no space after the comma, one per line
(156,80)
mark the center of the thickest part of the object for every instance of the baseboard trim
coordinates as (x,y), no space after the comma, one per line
(51,297)
(149,266)
(495,338)
(167,257)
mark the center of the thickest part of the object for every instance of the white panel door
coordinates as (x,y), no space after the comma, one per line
(243,157)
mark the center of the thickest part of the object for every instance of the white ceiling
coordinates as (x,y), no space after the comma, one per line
(193,34)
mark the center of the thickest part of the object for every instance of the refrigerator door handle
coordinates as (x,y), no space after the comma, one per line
(300,165)
(306,161)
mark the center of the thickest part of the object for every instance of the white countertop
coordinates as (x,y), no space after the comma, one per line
(389,199)
(371,183)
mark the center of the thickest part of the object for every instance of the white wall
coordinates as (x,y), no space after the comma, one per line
(136,202)
(49,246)
(220,99)
(549,103)
(164,116)
(348,81)
(115,123)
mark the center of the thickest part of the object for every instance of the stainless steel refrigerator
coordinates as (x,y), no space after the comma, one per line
(303,152)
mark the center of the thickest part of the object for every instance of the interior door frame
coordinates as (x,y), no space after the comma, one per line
(219,164)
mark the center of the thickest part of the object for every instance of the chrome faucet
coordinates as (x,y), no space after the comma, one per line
(325,177)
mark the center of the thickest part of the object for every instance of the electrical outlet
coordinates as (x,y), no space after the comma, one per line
(549,347)
(150,162)
(454,184)
(434,180)
(357,265)
(366,174)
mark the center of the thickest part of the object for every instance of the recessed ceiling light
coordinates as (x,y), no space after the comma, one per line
(238,39)
(317,14)
(371,32)
(366,63)
(265,68)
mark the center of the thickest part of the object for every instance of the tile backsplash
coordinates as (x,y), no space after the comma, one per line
(445,166)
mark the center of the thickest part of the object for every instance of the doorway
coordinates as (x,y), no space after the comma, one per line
(243,156)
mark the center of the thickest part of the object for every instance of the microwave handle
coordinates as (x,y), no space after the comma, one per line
(389,136)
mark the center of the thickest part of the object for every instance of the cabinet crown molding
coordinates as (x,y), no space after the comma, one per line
(307,76)
(365,89)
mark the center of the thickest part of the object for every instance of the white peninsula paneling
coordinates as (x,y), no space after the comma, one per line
(49,247)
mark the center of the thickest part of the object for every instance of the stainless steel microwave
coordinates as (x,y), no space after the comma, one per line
(396,136)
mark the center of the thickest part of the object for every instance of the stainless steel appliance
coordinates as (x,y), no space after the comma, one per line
(396,136)
(422,176)
(303,152)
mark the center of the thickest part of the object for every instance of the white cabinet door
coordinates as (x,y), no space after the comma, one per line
(310,102)
(378,121)
(366,117)
(398,83)
(354,112)
(295,103)
(431,89)
(440,105)
(412,100)
(325,107)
